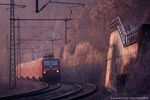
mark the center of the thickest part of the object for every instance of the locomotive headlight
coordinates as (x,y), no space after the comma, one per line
(51,67)
(44,72)
(57,71)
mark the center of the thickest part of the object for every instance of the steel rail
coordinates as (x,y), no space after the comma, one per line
(68,93)
(69,96)
(84,95)
(32,93)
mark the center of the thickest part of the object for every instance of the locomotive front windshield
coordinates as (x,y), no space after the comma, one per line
(50,62)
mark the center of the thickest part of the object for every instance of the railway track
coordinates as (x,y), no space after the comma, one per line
(62,91)
(34,92)
(85,90)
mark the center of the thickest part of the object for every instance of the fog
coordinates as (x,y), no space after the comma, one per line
(88,34)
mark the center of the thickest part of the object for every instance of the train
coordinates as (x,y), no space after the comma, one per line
(44,69)
(51,68)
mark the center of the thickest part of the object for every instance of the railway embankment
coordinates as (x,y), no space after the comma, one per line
(23,86)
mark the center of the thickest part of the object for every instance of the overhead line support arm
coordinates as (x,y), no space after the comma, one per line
(68,3)
(3,4)
(42,19)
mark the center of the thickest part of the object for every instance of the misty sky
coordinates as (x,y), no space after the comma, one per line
(51,11)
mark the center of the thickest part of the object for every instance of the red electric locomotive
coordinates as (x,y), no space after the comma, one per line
(50,68)
(45,69)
